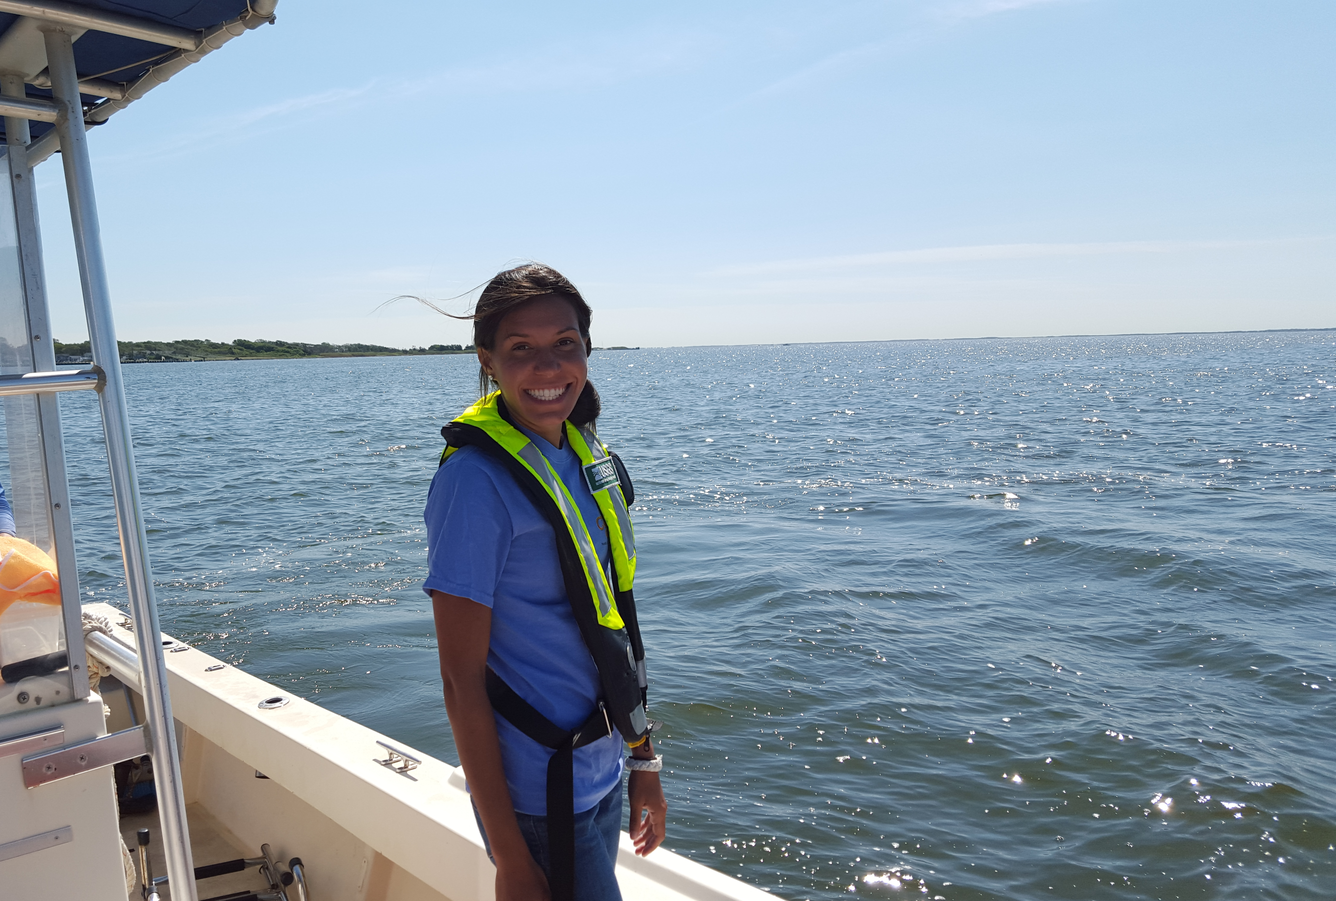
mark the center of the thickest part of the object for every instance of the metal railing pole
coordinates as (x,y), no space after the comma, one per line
(120,460)
(50,382)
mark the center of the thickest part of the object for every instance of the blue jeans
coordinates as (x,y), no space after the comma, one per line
(597,832)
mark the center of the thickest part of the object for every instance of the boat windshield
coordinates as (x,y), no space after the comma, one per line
(33,662)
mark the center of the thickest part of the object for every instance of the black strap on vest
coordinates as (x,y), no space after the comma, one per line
(560,773)
(628,490)
(616,653)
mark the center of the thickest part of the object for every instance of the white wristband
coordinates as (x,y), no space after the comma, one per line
(641,765)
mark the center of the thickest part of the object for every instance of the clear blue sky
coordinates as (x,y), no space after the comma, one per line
(731,173)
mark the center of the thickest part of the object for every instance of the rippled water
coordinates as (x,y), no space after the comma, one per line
(949,619)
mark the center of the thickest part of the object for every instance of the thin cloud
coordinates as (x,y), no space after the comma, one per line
(246,124)
(294,105)
(987,252)
(560,69)
(851,59)
(611,59)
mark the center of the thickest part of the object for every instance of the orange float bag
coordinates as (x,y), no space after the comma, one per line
(26,574)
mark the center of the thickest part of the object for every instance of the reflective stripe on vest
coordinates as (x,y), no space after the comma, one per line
(611,504)
(485,415)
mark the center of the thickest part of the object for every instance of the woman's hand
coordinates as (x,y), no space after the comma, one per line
(649,811)
(522,880)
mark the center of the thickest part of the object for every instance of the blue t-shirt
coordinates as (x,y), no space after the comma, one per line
(487,542)
(7,526)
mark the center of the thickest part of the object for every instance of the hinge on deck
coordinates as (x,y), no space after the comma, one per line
(36,741)
(71,760)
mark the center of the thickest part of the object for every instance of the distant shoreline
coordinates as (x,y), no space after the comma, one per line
(195,350)
(240,359)
(210,351)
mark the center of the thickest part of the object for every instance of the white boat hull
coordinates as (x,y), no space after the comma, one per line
(364,831)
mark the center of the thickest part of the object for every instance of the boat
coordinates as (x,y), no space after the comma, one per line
(116,737)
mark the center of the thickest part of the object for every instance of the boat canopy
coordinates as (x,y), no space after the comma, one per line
(122,50)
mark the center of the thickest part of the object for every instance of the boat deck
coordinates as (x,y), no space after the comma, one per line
(210,842)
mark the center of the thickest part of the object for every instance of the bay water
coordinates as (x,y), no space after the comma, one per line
(971,619)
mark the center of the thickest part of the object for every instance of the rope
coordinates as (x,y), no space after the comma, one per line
(93,622)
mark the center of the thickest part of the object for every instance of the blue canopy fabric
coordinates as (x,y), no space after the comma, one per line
(123,59)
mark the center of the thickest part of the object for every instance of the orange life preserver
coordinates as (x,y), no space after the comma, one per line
(26,574)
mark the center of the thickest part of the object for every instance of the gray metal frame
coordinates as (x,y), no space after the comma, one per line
(71,760)
(60,23)
(24,189)
(120,458)
(83,18)
(64,380)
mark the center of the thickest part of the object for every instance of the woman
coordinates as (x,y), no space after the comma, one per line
(531,565)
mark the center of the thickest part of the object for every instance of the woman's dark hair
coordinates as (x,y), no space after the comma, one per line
(512,289)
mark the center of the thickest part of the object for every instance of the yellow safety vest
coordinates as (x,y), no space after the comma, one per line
(603,605)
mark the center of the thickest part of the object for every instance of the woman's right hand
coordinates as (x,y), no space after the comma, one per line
(522,880)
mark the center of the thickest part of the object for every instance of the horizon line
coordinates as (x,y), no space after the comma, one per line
(1272,331)
(1241,331)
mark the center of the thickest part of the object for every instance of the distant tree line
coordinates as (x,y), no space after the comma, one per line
(194,349)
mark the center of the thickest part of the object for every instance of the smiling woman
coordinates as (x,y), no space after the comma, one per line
(531,328)
(531,566)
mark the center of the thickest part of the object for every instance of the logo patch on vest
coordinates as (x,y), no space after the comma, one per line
(601,474)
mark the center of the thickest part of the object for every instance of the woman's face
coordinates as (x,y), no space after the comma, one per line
(540,362)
